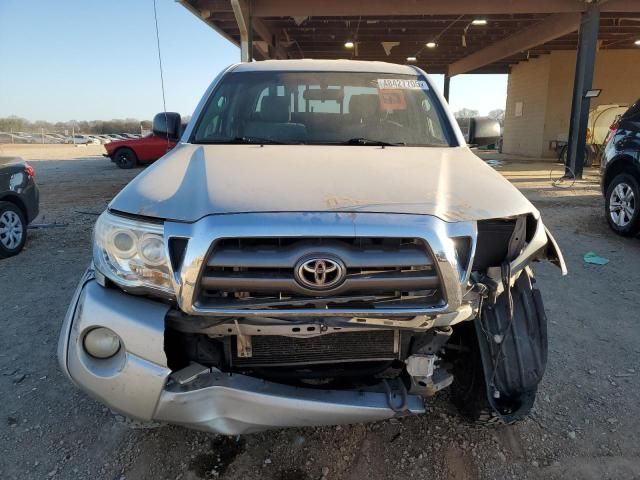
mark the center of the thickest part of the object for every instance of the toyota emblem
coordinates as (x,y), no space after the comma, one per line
(320,273)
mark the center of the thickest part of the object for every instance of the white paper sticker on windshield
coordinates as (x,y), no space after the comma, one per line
(395,83)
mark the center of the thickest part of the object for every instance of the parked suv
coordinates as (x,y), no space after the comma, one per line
(321,247)
(620,168)
(19,204)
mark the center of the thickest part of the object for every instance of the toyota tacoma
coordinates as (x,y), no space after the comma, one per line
(321,247)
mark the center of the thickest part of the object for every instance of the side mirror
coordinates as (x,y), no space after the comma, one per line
(483,131)
(167,125)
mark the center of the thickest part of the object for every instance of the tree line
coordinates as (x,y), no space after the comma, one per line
(133,125)
(128,125)
(497,114)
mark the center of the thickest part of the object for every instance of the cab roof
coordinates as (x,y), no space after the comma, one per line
(309,65)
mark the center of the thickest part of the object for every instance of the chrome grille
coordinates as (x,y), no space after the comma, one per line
(259,273)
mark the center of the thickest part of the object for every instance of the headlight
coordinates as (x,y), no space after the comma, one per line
(131,253)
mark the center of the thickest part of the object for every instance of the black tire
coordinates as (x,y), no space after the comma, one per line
(125,158)
(562,156)
(564,152)
(12,223)
(468,392)
(624,215)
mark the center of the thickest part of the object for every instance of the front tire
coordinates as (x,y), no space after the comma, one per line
(621,205)
(125,158)
(503,350)
(13,230)
(468,392)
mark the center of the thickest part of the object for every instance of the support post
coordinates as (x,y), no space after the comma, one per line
(250,36)
(585,62)
(244,49)
(243,19)
(447,85)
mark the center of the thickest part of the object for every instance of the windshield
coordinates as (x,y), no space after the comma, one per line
(323,108)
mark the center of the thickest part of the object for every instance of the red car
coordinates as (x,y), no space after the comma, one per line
(131,152)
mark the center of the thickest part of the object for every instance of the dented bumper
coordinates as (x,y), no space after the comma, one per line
(138,383)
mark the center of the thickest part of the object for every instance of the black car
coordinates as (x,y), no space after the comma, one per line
(18,204)
(621,173)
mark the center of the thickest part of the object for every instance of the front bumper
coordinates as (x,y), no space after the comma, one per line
(138,383)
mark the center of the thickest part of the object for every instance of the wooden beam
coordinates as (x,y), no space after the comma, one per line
(272,39)
(248,25)
(196,11)
(551,28)
(621,6)
(356,8)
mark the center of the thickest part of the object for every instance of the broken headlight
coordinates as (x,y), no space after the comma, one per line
(131,253)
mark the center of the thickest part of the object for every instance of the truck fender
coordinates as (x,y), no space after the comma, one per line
(553,253)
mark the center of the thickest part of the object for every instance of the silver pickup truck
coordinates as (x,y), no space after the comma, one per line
(321,247)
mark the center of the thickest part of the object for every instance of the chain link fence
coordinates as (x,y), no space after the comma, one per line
(46,137)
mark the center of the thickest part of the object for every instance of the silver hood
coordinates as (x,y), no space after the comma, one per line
(194,181)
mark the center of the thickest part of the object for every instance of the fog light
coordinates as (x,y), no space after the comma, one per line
(101,343)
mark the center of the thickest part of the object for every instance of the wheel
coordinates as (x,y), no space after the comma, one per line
(564,152)
(562,156)
(13,230)
(621,205)
(468,392)
(125,158)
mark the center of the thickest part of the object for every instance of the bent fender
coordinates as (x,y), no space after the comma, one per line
(553,253)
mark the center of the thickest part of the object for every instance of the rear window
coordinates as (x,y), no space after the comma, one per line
(633,113)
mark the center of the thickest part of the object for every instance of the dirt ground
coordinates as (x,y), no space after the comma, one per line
(585,423)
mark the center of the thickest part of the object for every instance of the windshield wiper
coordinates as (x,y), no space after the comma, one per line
(250,139)
(368,141)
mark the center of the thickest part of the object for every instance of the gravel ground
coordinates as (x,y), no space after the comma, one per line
(585,422)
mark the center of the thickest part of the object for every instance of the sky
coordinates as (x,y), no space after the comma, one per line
(97,60)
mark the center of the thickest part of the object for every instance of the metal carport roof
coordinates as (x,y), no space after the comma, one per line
(515,30)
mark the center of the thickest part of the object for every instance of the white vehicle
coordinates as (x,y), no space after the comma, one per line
(320,247)
(84,140)
(98,138)
(117,136)
(47,138)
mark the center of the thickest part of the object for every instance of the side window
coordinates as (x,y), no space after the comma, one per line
(220,104)
(263,94)
(633,114)
(433,126)
(279,92)
(212,125)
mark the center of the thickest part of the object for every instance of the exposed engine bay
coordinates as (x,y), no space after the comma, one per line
(505,329)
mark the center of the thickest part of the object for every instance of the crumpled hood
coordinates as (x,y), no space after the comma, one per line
(193,181)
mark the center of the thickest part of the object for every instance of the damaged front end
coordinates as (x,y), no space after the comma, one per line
(360,319)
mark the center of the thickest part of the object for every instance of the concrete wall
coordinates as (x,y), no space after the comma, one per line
(528,85)
(544,86)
